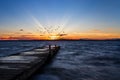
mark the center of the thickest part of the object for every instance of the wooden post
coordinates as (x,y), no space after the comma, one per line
(49,49)
(55,46)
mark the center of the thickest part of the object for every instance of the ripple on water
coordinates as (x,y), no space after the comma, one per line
(46,77)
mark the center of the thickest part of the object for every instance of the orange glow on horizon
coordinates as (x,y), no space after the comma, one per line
(53,37)
(74,36)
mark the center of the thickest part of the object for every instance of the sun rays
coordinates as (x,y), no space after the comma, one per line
(52,32)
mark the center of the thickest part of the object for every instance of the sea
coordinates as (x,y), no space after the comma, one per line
(76,60)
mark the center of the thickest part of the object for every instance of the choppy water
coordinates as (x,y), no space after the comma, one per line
(76,60)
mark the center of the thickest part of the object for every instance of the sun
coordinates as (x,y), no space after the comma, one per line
(54,37)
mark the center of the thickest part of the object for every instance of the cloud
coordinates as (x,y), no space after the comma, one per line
(21,30)
(41,35)
(96,31)
(95,35)
(62,34)
(29,33)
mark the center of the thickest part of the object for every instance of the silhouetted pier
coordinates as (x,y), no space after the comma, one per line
(22,65)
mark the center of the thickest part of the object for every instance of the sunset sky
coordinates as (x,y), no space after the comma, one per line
(55,19)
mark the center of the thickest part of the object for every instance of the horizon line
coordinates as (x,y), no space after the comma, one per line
(58,39)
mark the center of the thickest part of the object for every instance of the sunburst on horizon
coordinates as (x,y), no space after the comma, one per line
(53,37)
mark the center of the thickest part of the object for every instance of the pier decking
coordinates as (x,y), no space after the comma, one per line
(22,65)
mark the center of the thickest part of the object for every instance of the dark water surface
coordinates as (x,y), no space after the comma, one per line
(76,60)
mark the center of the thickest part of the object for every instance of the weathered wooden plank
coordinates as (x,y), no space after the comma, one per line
(22,65)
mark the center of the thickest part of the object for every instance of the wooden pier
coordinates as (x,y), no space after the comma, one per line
(22,65)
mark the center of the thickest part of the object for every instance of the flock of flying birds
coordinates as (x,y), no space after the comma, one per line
(50,30)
